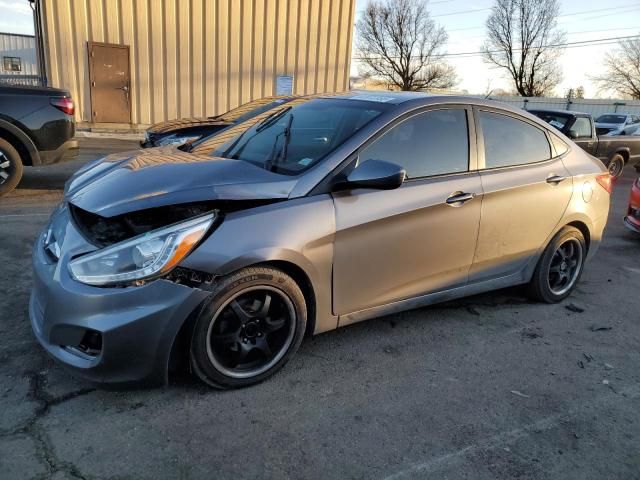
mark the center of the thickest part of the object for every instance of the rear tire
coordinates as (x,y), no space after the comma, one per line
(249,328)
(10,167)
(616,165)
(560,267)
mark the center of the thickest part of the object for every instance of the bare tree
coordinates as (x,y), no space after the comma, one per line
(623,70)
(575,93)
(399,43)
(522,38)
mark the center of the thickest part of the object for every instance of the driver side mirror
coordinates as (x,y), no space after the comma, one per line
(376,174)
(573,134)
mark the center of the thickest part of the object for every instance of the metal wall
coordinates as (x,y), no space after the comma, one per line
(594,107)
(201,57)
(23,46)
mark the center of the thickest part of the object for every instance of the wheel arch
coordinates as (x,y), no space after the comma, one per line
(624,152)
(21,142)
(179,347)
(584,229)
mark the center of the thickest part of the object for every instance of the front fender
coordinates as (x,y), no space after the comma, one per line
(298,231)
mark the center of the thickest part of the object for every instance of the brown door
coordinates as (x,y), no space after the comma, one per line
(109,77)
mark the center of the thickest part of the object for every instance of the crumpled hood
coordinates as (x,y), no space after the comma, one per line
(156,177)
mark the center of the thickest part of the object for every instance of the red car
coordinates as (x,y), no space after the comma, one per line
(632,220)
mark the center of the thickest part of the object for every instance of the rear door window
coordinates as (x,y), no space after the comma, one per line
(509,141)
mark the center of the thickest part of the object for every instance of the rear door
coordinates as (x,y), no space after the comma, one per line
(398,244)
(110,84)
(526,191)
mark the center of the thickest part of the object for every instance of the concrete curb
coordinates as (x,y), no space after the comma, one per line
(114,135)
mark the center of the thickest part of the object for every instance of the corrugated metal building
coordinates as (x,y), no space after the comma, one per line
(166,59)
(18,59)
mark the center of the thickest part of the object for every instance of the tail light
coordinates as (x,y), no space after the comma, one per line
(605,181)
(64,104)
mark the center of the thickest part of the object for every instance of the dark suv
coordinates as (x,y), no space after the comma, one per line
(36,128)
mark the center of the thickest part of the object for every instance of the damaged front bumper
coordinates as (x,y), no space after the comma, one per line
(106,335)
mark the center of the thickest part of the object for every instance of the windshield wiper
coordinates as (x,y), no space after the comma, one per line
(271,119)
(272,162)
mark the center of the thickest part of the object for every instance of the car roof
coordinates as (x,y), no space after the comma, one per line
(416,99)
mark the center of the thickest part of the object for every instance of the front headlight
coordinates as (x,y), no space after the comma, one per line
(142,257)
(176,140)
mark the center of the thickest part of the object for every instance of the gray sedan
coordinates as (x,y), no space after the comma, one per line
(317,214)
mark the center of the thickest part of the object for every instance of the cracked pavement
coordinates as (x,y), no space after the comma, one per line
(492,386)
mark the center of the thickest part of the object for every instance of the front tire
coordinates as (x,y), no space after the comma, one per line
(249,328)
(10,167)
(560,267)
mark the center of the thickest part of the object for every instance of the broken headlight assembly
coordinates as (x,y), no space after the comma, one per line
(143,257)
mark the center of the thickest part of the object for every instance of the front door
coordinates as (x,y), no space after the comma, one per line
(110,84)
(398,244)
(526,192)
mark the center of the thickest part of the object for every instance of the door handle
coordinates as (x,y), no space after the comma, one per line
(125,88)
(555,179)
(458,198)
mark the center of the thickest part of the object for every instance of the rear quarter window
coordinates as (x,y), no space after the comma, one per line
(558,145)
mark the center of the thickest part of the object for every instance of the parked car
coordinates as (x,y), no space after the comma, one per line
(632,219)
(180,131)
(613,152)
(617,124)
(36,128)
(320,213)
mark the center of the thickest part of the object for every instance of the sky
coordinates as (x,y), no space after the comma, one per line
(16,17)
(464,21)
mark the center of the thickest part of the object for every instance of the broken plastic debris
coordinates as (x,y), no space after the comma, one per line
(599,328)
(572,307)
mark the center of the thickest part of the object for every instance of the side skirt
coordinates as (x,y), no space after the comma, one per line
(431,298)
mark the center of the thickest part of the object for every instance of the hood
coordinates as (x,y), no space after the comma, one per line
(184,123)
(613,126)
(158,177)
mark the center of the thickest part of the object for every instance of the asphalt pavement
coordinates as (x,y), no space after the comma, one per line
(490,387)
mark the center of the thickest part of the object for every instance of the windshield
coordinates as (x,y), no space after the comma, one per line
(611,119)
(251,109)
(554,119)
(294,137)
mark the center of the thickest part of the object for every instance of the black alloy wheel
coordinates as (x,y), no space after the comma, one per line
(252,324)
(560,266)
(251,331)
(565,266)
